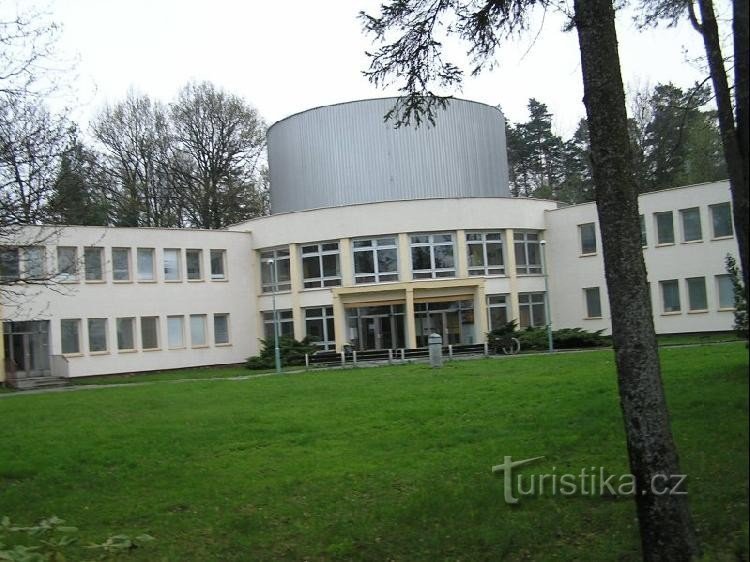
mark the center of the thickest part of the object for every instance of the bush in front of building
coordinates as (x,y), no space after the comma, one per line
(535,339)
(292,352)
(740,302)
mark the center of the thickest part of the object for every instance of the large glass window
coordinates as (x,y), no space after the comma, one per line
(691,225)
(274,266)
(125,334)
(193,262)
(150,332)
(726,291)
(432,255)
(721,218)
(375,260)
(70,335)
(10,269)
(375,327)
(664,228)
(593,302)
(485,253)
(286,324)
(175,331)
(34,262)
(221,329)
(146,269)
(531,310)
(644,238)
(121,264)
(697,299)
(587,234)
(452,320)
(198,336)
(319,326)
(320,265)
(67,263)
(97,335)
(218,264)
(497,309)
(172,264)
(670,295)
(93,264)
(528,256)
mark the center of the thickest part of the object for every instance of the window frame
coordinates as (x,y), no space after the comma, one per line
(504,305)
(688,284)
(486,269)
(224,315)
(157,333)
(327,343)
(138,253)
(178,265)
(531,304)
(199,253)
(278,254)
(586,292)
(433,272)
(657,215)
(683,226)
(322,281)
(712,208)
(182,343)
(104,322)
(67,276)
(129,259)
(595,250)
(374,249)
(203,318)
(286,318)
(525,242)
(74,322)
(15,262)
(118,322)
(662,286)
(719,279)
(86,251)
(223,253)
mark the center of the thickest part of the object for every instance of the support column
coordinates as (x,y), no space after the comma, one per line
(404,257)
(339,323)
(411,330)
(480,314)
(346,262)
(510,271)
(295,272)
(462,257)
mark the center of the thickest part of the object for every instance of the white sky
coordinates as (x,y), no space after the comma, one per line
(285,57)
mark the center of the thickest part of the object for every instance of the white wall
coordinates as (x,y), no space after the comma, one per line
(570,272)
(111,300)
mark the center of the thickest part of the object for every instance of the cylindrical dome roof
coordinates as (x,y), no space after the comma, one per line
(346,154)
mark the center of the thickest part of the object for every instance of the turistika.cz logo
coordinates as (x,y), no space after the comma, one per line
(590,481)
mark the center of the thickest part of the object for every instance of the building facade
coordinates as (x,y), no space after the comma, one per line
(367,247)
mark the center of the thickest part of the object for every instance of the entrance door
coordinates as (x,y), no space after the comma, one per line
(27,348)
(376,332)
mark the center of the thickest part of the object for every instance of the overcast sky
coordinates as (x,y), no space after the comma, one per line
(285,57)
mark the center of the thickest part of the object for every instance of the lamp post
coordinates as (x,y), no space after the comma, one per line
(547,307)
(276,350)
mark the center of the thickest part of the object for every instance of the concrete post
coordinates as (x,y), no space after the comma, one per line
(435,343)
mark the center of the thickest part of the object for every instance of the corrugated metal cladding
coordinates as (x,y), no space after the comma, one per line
(346,154)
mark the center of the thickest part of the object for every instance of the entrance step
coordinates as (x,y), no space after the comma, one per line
(29,383)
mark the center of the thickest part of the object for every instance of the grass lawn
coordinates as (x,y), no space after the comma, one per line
(389,463)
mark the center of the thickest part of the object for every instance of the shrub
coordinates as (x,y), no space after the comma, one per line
(740,302)
(292,352)
(536,338)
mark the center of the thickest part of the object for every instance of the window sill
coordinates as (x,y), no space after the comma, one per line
(173,280)
(176,348)
(277,293)
(151,349)
(701,311)
(664,244)
(127,351)
(78,354)
(530,275)
(588,255)
(98,353)
(146,280)
(196,280)
(223,345)
(693,241)
(727,237)
(68,281)
(202,346)
(673,313)
(727,309)
(370,283)
(122,281)
(95,281)
(306,289)
(221,280)
(593,318)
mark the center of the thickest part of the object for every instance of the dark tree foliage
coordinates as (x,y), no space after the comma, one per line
(410,33)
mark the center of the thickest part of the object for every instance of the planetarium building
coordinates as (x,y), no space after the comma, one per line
(378,237)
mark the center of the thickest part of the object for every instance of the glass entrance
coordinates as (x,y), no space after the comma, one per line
(453,320)
(27,348)
(376,327)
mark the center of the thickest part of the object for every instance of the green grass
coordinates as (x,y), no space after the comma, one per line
(697,338)
(373,464)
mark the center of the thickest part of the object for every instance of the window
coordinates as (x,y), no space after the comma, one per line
(218,264)
(531,310)
(375,260)
(92,264)
(150,332)
(172,265)
(70,336)
(432,256)
(664,228)
(670,295)
(97,335)
(593,302)
(121,264)
(721,217)
(193,259)
(319,327)
(691,225)
(221,329)
(587,234)
(175,331)
(198,330)
(320,265)
(697,299)
(497,309)
(726,291)
(485,253)
(528,257)
(286,324)
(67,263)
(125,333)
(146,269)
(9,264)
(644,239)
(34,265)
(274,270)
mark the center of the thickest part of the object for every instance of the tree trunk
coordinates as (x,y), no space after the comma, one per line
(733,137)
(665,524)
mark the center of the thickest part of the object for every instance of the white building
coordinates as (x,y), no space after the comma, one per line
(378,237)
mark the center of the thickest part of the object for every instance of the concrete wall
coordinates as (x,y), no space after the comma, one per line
(111,300)
(571,272)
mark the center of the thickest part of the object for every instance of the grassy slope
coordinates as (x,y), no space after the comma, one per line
(386,463)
